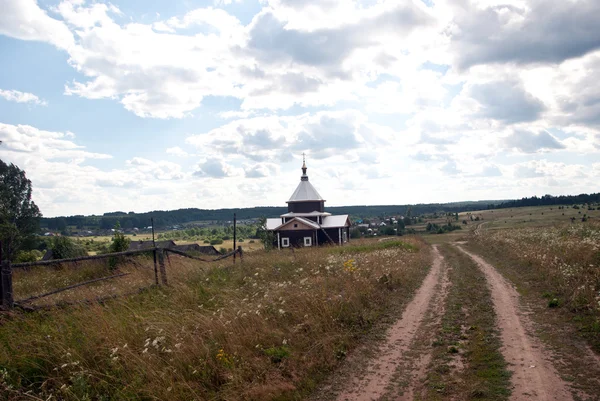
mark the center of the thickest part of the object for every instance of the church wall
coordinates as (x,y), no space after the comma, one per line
(296,237)
(306,207)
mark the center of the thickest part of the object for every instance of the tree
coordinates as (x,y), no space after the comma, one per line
(265,235)
(120,243)
(19,215)
(65,248)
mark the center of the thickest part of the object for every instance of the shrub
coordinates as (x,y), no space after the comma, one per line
(28,256)
(65,248)
(216,241)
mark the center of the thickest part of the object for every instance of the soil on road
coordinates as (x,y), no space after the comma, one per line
(533,375)
(402,367)
(373,383)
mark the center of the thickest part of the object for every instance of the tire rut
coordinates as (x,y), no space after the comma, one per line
(375,382)
(533,376)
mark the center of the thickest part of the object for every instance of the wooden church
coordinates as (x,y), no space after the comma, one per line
(307,223)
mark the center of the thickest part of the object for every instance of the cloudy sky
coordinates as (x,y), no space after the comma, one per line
(139,105)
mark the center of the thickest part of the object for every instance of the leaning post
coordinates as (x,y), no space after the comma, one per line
(163,269)
(154,252)
(234,235)
(6,290)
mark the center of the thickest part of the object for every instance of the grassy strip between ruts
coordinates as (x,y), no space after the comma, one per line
(466,361)
(267,329)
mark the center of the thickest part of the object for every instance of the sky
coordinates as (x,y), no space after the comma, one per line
(140,105)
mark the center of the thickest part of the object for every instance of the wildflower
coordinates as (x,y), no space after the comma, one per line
(350,265)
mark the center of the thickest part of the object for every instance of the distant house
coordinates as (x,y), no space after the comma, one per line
(139,245)
(49,255)
(195,248)
(191,248)
(307,223)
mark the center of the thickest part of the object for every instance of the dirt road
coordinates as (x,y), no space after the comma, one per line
(372,384)
(462,336)
(534,377)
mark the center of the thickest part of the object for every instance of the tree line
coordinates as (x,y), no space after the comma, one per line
(549,200)
(166,218)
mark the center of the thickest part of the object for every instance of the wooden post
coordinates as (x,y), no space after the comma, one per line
(161,262)
(234,235)
(155,268)
(6,290)
(154,253)
(241,253)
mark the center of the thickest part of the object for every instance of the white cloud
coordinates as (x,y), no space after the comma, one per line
(177,151)
(382,95)
(21,97)
(24,19)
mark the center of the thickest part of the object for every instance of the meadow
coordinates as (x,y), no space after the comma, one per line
(268,328)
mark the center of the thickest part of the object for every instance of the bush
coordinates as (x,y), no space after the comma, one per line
(216,241)
(120,243)
(65,248)
(28,256)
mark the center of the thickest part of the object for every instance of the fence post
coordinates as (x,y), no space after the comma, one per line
(239,249)
(6,290)
(234,235)
(155,268)
(161,262)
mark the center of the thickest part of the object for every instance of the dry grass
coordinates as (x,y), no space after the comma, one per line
(567,256)
(561,262)
(267,329)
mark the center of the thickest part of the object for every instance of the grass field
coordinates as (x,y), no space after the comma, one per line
(269,328)
(278,325)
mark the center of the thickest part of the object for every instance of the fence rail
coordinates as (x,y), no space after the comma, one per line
(79,259)
(6,293)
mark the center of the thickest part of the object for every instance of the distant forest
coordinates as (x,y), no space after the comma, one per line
(548,200)
(164,218)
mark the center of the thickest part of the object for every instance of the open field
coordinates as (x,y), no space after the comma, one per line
(509,310)
(267,329)
(478,338)
(246,245)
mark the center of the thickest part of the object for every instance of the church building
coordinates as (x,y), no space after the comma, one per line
(307,223)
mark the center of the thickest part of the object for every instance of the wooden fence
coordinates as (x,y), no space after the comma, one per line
(6,287)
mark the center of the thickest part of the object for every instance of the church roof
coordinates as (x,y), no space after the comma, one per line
(335,221)
(305,191)
(311,214)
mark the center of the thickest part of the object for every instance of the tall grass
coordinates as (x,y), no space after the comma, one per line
(566,257)
(265,329)
(561,263)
